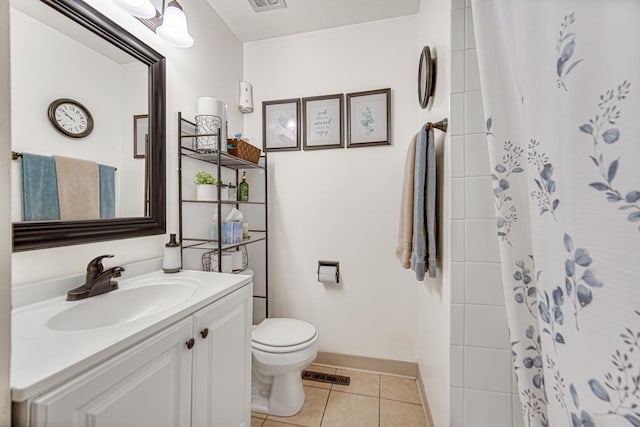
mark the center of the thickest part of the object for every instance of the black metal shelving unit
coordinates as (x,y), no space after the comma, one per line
(187,142)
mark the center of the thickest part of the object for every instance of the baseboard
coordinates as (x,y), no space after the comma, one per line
(394,367)
(425,401)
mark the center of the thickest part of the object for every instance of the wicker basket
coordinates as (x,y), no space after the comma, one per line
(244,150)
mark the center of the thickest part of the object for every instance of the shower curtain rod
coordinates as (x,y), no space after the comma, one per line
(442,125)
(15,155)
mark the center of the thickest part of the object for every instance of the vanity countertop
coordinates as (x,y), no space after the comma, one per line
(42,357)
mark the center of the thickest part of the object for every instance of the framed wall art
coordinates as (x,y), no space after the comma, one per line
(322,118)
(369,118)
(281,125)
(140,135)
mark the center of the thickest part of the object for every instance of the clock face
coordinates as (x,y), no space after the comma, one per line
(71,118)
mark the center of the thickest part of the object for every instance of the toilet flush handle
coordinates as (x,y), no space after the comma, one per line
(204,333)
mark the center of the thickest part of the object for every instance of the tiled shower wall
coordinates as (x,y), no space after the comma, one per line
(482,392)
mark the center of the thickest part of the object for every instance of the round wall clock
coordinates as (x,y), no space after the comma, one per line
(426,76)
(70,117)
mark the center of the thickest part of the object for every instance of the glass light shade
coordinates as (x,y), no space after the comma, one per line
(174,27)
(139,8)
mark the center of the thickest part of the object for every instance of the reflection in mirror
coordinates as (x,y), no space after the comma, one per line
(73,184)
(52,57)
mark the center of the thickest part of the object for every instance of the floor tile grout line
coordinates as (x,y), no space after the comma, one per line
(324,410)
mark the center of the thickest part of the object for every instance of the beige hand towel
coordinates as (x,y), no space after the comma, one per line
(405,235)
(78,188)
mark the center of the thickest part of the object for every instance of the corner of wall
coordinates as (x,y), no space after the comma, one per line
(5,215)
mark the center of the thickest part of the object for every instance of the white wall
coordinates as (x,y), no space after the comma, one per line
(213,67)
(131,177)
(5,225)
(432,301)
(481,378)
(341,204)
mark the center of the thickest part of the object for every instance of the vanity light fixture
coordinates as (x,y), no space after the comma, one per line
(170,26)
(174,28)
(138,8)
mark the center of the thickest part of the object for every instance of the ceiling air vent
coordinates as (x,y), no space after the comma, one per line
(264,5)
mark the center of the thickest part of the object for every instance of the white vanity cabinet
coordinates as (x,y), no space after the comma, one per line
(222,363)
(166,380)
(148,385)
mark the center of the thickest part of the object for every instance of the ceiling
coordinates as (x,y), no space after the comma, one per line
(302,16)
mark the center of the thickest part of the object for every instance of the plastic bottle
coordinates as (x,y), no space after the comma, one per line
(214,227)
(243,189)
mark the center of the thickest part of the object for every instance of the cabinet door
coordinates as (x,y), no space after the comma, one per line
(222,362)
(148,385)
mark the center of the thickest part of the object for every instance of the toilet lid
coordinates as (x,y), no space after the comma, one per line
(283,332)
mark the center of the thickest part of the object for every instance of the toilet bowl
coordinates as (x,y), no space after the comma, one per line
(280,348)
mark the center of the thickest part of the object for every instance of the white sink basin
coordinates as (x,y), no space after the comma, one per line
(120,306)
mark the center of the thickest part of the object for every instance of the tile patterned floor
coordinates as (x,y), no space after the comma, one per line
(370,400)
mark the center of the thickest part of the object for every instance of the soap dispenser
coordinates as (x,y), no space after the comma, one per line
(172,262)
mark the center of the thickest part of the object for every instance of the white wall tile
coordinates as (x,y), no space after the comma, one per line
(518,421)
(456,365)
(457,324)
(481,240)
(457,282)
(483,283)
(456,407)
(487,409)
(479,198)
(473,113)
(457,30)
(457,198)
(457,4)
(486,326)
(457,156)
(457,114)
(458,71)
(457,240)
(487,369)
(476,156)
(469,36)
(471,73)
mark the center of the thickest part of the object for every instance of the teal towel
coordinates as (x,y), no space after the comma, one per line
(431,204)
(107,191)
(419,254)
(39,188)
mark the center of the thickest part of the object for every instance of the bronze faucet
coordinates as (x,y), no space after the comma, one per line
(98,280)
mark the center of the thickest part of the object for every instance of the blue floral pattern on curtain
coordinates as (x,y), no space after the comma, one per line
(566,187)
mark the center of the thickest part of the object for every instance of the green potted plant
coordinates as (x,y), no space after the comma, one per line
(206,186)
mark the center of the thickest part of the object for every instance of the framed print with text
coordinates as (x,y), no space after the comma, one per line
(322,118)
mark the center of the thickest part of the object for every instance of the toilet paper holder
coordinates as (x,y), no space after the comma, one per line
(335,264)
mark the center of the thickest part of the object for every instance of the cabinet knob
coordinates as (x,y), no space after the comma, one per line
(190,343)
(204,333)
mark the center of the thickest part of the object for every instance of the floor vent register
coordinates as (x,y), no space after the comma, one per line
(326,378)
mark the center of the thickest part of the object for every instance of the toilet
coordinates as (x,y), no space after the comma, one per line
(281,348)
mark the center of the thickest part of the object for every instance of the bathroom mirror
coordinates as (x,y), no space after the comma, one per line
(426,77)
(140,205)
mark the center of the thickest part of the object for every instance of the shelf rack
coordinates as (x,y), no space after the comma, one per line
(187,137)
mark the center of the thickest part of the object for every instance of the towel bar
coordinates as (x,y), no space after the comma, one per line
(15,155)
(442,125)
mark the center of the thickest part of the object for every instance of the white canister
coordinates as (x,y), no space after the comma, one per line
(210,106)
(227,263)
(236,257)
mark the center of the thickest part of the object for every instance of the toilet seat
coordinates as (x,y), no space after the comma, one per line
(283,335)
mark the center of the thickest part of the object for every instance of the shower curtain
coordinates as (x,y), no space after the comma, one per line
(561,90)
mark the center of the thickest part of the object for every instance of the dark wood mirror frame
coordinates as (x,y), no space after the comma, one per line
(47,234)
